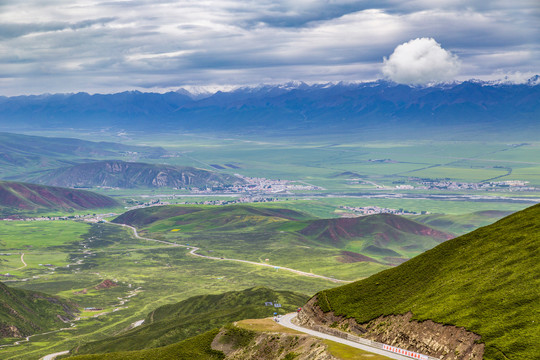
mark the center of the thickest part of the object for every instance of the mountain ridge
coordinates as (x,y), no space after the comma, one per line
(370,106)
(124,174)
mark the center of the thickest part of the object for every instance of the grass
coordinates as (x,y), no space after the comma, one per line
(285,237)
(485,281)
(22,235)
(165,275)
(194,348)
(26,312)
(462,224)
(175,322)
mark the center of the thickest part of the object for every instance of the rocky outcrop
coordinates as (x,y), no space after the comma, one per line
(272,346)
(427,337)
(10,331)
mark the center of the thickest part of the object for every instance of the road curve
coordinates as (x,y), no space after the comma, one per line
(195,249)
(286,321)
(55,355)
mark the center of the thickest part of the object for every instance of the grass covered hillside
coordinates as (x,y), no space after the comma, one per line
(486,281)
(377,235)
(204,218)
(24,313)
(198,347)
(23,197)
(127,175)
(346,248)
(173,323)
(24,153)
(463,223)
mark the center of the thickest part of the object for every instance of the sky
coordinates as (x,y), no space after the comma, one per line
(50,46)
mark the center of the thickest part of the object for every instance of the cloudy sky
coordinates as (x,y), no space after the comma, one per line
(156,45)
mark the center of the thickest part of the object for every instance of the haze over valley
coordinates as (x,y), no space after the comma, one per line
(269,180)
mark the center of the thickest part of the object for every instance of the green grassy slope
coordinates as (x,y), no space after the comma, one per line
(383,234)
(462,224)
(343,248)
(486,281)
(379,230)
(23,312)
(198,347)
(193,218)
(23,153)
(18,197)
(172,323)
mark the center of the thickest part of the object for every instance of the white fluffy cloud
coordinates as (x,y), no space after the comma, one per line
(421,61)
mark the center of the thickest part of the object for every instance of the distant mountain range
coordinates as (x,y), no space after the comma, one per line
(122,174)
(296,107)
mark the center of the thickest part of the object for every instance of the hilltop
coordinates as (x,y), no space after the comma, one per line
(382,234)
(122,174)
(28,312)
(172,323)
(485,282)
(18,197)
(208,217)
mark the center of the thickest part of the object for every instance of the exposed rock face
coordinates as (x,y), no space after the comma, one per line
(274,346)
(10,331)
(427,337)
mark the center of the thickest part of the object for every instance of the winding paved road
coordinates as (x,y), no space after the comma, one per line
(286,321)
(195,249)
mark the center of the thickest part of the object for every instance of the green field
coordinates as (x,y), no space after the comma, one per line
(157,274)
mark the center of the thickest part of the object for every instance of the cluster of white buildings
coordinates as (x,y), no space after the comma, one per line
(260,186)
(372,210)
(509,185)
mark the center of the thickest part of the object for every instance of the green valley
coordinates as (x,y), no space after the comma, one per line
(343,248)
